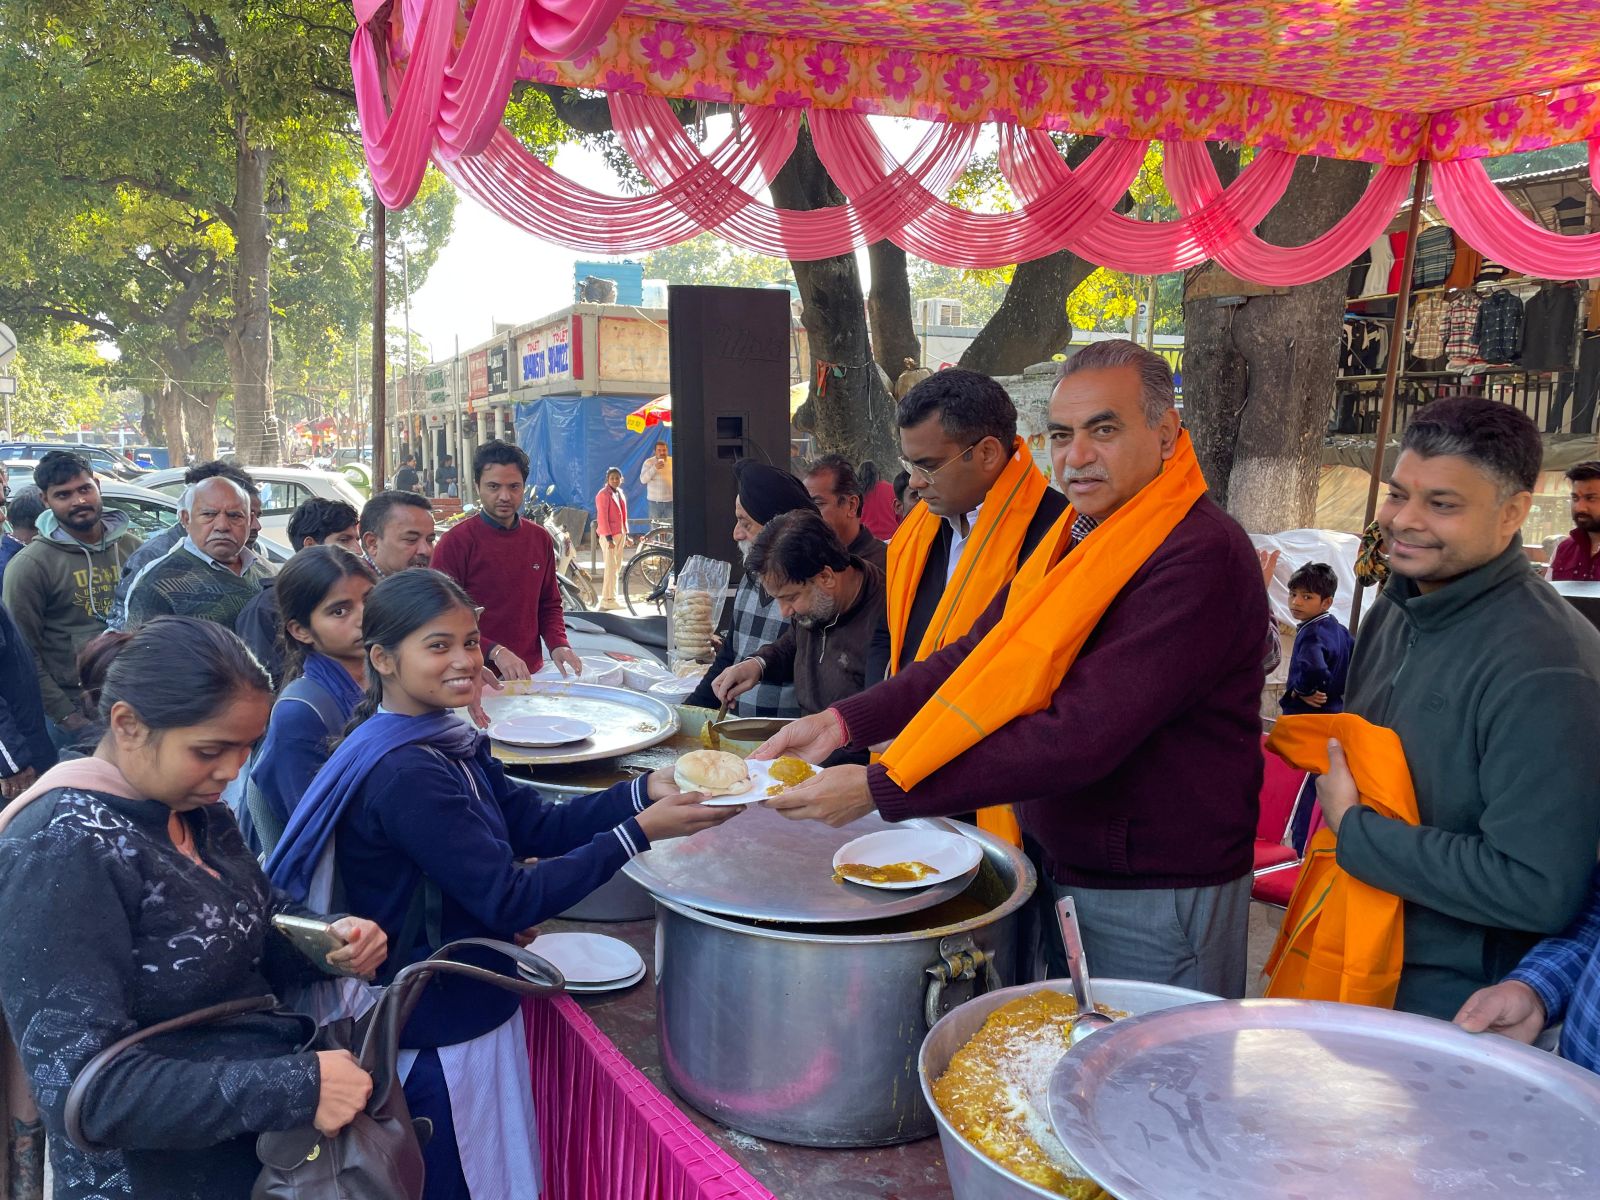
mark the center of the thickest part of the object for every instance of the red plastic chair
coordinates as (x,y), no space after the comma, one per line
(1276,865)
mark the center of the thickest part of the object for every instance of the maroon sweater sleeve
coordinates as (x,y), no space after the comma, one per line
(552,624)
(1158,651)
(453,557)
(883,710)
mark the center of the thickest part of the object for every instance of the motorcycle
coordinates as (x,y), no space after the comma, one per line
(577,589)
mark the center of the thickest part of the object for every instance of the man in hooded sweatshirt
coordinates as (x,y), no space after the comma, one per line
(59,587)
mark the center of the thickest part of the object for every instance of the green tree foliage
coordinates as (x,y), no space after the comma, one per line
(62,383)
(708,260)
(184,178)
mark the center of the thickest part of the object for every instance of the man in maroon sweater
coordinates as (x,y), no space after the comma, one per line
(508,566)
(1136,785)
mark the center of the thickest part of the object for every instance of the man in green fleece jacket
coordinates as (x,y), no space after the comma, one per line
(59,586)
(1492,682)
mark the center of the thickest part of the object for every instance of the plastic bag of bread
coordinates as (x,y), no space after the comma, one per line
(695,610)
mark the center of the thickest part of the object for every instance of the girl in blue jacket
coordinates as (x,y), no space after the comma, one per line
(322,594)
(426,832)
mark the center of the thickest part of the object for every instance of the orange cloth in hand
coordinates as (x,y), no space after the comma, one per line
(1052,610)
(988,558)
(1342,939)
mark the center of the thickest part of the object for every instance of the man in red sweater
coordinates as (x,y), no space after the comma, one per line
(508,566)
(611,523)
(1136,784)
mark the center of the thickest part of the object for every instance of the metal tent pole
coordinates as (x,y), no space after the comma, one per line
(1391,370)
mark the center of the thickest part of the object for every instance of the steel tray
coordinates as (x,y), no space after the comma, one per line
(623,721)
(1278,1099)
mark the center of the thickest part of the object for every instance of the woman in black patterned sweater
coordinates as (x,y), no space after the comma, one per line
(130,898)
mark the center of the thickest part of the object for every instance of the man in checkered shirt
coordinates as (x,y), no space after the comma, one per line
(1557,982)
(764,493)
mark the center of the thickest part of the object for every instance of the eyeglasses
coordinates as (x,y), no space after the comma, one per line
(913,470)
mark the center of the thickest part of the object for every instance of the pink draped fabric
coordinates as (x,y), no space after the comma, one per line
(1478,211)
(1150,247)
(452,98)
(857,161)
(656,140)
(1195,186)
(605,1131)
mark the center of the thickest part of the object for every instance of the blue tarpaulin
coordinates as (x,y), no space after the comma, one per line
(571,440)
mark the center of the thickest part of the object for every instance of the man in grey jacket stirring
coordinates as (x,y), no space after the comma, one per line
(1492,683)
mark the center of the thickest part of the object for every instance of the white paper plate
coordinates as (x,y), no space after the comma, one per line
(597,669)
(535,729)
(587,989)
(950,855)
(588,959)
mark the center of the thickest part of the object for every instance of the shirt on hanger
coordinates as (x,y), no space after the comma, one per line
(1378,273)
(1426,332)
(1499,333)
(1436,255)
(1460,325)
(1550,329)
(1465,271)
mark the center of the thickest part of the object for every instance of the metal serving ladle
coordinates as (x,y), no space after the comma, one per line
(1088,1019)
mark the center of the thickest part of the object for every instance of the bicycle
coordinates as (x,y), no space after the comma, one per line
(649,572)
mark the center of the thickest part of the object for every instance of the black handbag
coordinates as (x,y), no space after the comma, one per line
(378,1156)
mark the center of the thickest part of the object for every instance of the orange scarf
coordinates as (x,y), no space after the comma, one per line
(1053,608)
(988,558)
(1342,939)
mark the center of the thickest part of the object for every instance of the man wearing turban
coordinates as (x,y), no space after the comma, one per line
(763,493)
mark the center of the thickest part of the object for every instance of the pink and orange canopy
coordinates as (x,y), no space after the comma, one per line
(1390,82)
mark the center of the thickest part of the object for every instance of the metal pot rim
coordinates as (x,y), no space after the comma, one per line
(1027,880)
(1004,996)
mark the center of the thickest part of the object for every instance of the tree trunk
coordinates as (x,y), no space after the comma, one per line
(894,335)
(1258,377)
(250,331)
(200,421)
(169,416)
(853,413)
(1031,323)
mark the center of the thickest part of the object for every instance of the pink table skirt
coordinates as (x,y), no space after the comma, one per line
(605,1131)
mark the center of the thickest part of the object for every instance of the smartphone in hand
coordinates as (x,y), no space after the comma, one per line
(313,938)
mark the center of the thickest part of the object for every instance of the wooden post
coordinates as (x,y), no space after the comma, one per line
(1391,371)
(380,349)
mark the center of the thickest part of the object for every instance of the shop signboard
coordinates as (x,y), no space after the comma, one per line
(499,359)
(477,375)
(436,386)
(545,354)
(633,349)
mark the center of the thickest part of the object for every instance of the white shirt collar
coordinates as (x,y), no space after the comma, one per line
(247,557)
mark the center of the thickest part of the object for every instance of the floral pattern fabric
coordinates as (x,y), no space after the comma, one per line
(1377,80)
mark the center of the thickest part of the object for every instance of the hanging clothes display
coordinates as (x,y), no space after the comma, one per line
(1397,252)
(1499,332)
(1490,272)
(1464,273)
(1364,348)
(1377,283)
(1460,326)
(1436,257)
(1550,325)
(1426,331)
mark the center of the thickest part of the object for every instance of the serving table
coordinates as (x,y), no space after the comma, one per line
(595,1115)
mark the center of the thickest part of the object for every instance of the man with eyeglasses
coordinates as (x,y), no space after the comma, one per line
(985,506)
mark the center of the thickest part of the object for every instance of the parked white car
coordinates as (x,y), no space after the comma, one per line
(283,489)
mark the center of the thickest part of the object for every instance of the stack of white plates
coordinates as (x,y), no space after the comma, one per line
(591,962)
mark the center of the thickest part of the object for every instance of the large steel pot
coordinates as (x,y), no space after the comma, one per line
(808,1034)
(973,1175)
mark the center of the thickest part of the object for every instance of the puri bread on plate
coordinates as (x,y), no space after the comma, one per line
(713,772)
